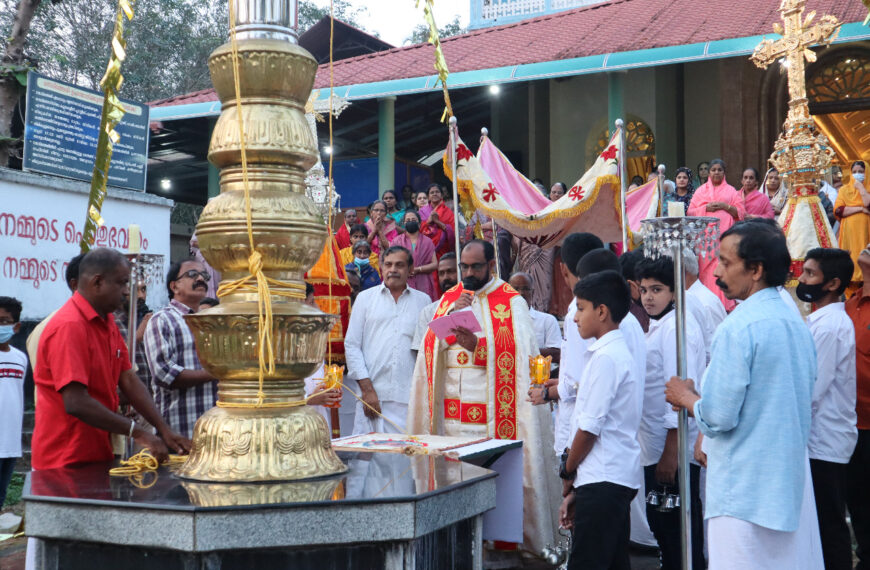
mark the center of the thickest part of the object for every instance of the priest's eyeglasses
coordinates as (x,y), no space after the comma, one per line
(193,274)
(474,266)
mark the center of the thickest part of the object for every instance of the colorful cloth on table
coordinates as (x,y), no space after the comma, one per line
(855,229)
(170,349)
(390,232)
(758,204)
(755,413)
(537,262)
(422,252)
(342,236)
(443,239)
(368,275)
(698,207)
(482,393)
(79,346)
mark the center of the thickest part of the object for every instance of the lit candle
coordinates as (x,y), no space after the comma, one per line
(539,368)
(334,375)
(133,233)
(676,209)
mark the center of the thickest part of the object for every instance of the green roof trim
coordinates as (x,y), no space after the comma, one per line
(652,57)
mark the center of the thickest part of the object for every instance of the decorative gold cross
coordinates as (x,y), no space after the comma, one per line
(797,37)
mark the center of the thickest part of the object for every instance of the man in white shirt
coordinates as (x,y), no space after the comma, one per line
(658,426)
(833,430)
(447,279)
(573,348)
(604,458)
(378,346)
(702,303)
(547,331)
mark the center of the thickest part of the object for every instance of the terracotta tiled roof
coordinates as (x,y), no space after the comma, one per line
(609,27)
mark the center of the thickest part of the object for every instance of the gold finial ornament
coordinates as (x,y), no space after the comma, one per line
(262,433)
(801,153)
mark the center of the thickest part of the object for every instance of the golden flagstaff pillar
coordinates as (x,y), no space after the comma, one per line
(801,153)
(260,429)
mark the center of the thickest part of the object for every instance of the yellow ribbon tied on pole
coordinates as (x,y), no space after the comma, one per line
(440,60)
(107,136)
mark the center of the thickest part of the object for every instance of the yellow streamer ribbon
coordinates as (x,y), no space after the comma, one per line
(107,136)
(440,61)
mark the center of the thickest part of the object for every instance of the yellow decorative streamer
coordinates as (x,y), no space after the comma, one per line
(440,60)
(107,137)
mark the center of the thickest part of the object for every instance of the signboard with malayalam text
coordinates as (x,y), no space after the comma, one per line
(41,227)
(61,129)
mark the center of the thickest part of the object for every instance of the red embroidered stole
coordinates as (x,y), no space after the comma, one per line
(501,316)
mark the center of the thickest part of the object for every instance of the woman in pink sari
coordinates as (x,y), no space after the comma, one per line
(718,199)
(757,203)
(422,253)
(382,228)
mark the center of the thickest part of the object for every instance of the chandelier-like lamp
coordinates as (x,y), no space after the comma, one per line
(261,430)
(671,237)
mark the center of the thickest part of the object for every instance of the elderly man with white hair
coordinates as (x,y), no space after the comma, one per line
(702,303)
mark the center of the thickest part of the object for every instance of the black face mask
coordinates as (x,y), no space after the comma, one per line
(810,293)
(412,227)
(666,310)
(472,283)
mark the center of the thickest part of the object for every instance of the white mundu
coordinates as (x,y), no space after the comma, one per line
(378,346)
(482,393)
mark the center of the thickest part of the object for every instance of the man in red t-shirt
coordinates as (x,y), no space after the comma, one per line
(81,363)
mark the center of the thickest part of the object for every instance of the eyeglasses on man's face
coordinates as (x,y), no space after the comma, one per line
(474,266)
(193,274)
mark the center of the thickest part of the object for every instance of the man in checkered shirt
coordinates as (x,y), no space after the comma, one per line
(183,391)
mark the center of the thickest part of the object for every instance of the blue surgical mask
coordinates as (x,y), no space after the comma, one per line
(359,261)
(6,332)
(859,176)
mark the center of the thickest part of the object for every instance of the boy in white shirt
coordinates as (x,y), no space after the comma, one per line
(658,426)
(13,365)
(604,456)
(833,431)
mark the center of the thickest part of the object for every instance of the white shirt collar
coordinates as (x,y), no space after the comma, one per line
(827,309)
(610,337)
(385,289)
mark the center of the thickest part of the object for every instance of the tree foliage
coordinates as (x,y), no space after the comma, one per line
(168,41)
(420,33)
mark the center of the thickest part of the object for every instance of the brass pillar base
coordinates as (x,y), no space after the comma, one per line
(261,444)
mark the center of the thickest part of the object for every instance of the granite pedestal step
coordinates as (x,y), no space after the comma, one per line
(388,511)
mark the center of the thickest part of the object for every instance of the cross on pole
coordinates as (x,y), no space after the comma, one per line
(798,36)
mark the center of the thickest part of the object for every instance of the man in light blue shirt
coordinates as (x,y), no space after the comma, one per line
(755,409)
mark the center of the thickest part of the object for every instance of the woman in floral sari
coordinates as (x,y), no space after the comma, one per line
(422,253)
(438,221)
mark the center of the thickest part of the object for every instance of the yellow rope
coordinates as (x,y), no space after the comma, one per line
(329,179)
(143,462)
(266,355)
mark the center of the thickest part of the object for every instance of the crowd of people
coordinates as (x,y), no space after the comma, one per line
(779,406)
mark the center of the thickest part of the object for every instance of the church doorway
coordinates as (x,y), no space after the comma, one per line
(838,89)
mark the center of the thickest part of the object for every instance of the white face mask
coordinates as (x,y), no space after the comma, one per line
(859,176)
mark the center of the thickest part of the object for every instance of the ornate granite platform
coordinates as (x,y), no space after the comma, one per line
(388,511)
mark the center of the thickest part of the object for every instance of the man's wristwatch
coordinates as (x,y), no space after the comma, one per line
(546,394)
(563,462)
